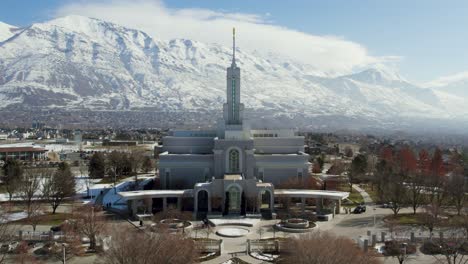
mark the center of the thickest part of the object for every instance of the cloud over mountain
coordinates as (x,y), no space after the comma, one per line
(329,55)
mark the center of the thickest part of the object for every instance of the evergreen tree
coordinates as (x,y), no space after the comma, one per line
(13,173)
(97,166)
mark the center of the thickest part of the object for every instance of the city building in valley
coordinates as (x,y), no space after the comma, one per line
(27,153)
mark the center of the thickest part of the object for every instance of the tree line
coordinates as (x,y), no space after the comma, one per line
(119,164)
(31,186)
(403,178)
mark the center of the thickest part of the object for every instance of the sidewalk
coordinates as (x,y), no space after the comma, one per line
(364,194)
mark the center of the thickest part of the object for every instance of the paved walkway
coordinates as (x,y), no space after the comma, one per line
(364,194)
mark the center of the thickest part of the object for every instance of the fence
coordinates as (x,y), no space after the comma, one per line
(371,239)
(209,246)
(40,236)
(264,246)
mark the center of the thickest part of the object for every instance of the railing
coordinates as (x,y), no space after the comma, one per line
(264,246)
(40,236)
(208,246)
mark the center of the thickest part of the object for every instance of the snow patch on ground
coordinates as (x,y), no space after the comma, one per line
(241,221)
(262,256)
(13,217)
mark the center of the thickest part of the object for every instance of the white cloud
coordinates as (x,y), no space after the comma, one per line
(447,80)
(330,54)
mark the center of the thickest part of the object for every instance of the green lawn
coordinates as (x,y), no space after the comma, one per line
(372,193)
(354,196)
(407,219)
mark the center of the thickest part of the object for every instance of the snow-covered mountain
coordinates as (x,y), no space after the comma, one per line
(77,62)
(7,31)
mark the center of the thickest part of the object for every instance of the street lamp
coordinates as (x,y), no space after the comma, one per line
(63,249)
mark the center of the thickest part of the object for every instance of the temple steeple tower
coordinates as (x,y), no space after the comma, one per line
(233,47)
(233,108)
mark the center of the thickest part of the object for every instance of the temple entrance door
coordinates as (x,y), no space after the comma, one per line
(233,200)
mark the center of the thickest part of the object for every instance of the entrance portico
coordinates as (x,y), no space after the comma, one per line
(232,195)
(143,200)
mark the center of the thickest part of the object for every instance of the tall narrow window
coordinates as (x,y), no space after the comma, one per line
(299,175)
(168,176)
(234,161)
(233,99)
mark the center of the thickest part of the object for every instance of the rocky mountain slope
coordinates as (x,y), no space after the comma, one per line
(77,62)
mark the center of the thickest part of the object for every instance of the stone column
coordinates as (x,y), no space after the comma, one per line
(303,204)
(374,240)
(179,203)
(133,204)
(149,205)
(318,203)
(338,206)
(383,236)
(164,203)
(259,202)
(209,204)
(272,201)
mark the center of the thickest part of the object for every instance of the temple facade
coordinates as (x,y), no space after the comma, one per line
(232,170)
(191,157)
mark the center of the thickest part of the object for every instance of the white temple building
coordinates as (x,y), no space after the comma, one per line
(231,170)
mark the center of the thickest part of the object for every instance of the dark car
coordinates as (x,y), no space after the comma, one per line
(359,209)
(363,207)
(56,228)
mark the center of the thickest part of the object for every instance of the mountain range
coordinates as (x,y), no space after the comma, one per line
(77,62)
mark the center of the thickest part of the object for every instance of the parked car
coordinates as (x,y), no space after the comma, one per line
(387,205)
(56,228)
(359,209)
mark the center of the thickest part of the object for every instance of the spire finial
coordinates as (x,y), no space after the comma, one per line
(233,45)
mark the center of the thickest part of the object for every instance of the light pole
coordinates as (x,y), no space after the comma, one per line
(374,215)
(63,249)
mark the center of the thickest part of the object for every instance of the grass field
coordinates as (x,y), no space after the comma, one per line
(372,193)
(355,197)
(406,219)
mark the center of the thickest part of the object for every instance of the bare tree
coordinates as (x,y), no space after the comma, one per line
(29,192)
(147,165)
(34,212)
(174,214)
(461,222)
(135,160)
(22,255)
(6,230)
(452,248)
(430,219)
(151,248)
(395,193)
(71,244)
(58,186)
(400,250)
(323,248)
(456,189)
(89,222)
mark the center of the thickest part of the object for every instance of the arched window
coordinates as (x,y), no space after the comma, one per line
(234,161)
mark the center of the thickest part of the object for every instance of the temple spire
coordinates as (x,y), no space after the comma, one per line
(233,46)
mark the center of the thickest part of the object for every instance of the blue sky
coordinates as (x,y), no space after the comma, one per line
(431,37)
